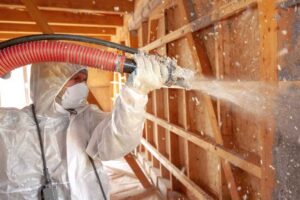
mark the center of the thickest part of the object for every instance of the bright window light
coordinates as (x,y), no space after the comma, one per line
(14,92)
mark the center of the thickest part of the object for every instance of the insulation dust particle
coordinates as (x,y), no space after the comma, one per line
(93,2)
(291,117)
(202,133)
(279,67)
(245,197)
(116,8)
(296,128)
(229,185)
(283,51)
(284,32)
(220,124)
(239,188)
(237,64)
(219,167)
(197,101)
(271,167)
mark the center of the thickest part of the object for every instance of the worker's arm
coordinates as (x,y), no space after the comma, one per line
(120,131)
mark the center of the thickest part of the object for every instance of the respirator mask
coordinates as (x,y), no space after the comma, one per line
(74,96)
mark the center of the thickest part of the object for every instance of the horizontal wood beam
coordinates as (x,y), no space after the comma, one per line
(190,185)
(7,36)
(226,154)
(34,29)
(223,12)
(60,18)
(98,5)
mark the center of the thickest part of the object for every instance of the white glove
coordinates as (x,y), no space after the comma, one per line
(147,76)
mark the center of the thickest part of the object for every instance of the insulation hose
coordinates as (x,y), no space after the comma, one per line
(56,51)
(78,38)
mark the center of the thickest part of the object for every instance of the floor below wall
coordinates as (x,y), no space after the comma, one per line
(125,185)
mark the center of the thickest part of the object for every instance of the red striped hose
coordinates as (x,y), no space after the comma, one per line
(55,51)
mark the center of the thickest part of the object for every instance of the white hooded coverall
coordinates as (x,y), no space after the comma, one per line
(68,139)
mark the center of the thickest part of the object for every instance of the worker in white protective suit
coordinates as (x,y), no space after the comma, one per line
(71,131)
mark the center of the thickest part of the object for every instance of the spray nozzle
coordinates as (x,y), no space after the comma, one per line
(175,75)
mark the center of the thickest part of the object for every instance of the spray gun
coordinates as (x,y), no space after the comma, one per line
(46,48)
(176,76)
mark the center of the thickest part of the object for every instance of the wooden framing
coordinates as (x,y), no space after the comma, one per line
(170,116)
(198,192)
(191,141)
(34,29)
(249,166)
(60,18)
(37,16)
(223,12)
(268,72)
(100,6)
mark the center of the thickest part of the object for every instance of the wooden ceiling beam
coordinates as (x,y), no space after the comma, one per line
(104,6)
(7,36)
(37,16)
(34,29)
(60,18)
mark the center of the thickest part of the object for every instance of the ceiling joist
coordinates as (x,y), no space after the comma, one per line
(100,6)
(37,16)
(60,18)
(34,29)
(7,36)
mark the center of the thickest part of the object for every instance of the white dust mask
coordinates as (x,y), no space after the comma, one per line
(75,96)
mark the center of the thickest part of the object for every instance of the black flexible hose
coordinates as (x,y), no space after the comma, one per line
(69,37)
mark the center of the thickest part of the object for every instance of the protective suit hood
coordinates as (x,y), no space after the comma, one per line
(46,81)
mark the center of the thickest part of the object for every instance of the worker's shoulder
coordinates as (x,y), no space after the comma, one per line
(14,111)
(11,116)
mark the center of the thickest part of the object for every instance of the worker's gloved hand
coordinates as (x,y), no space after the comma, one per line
(148,75)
